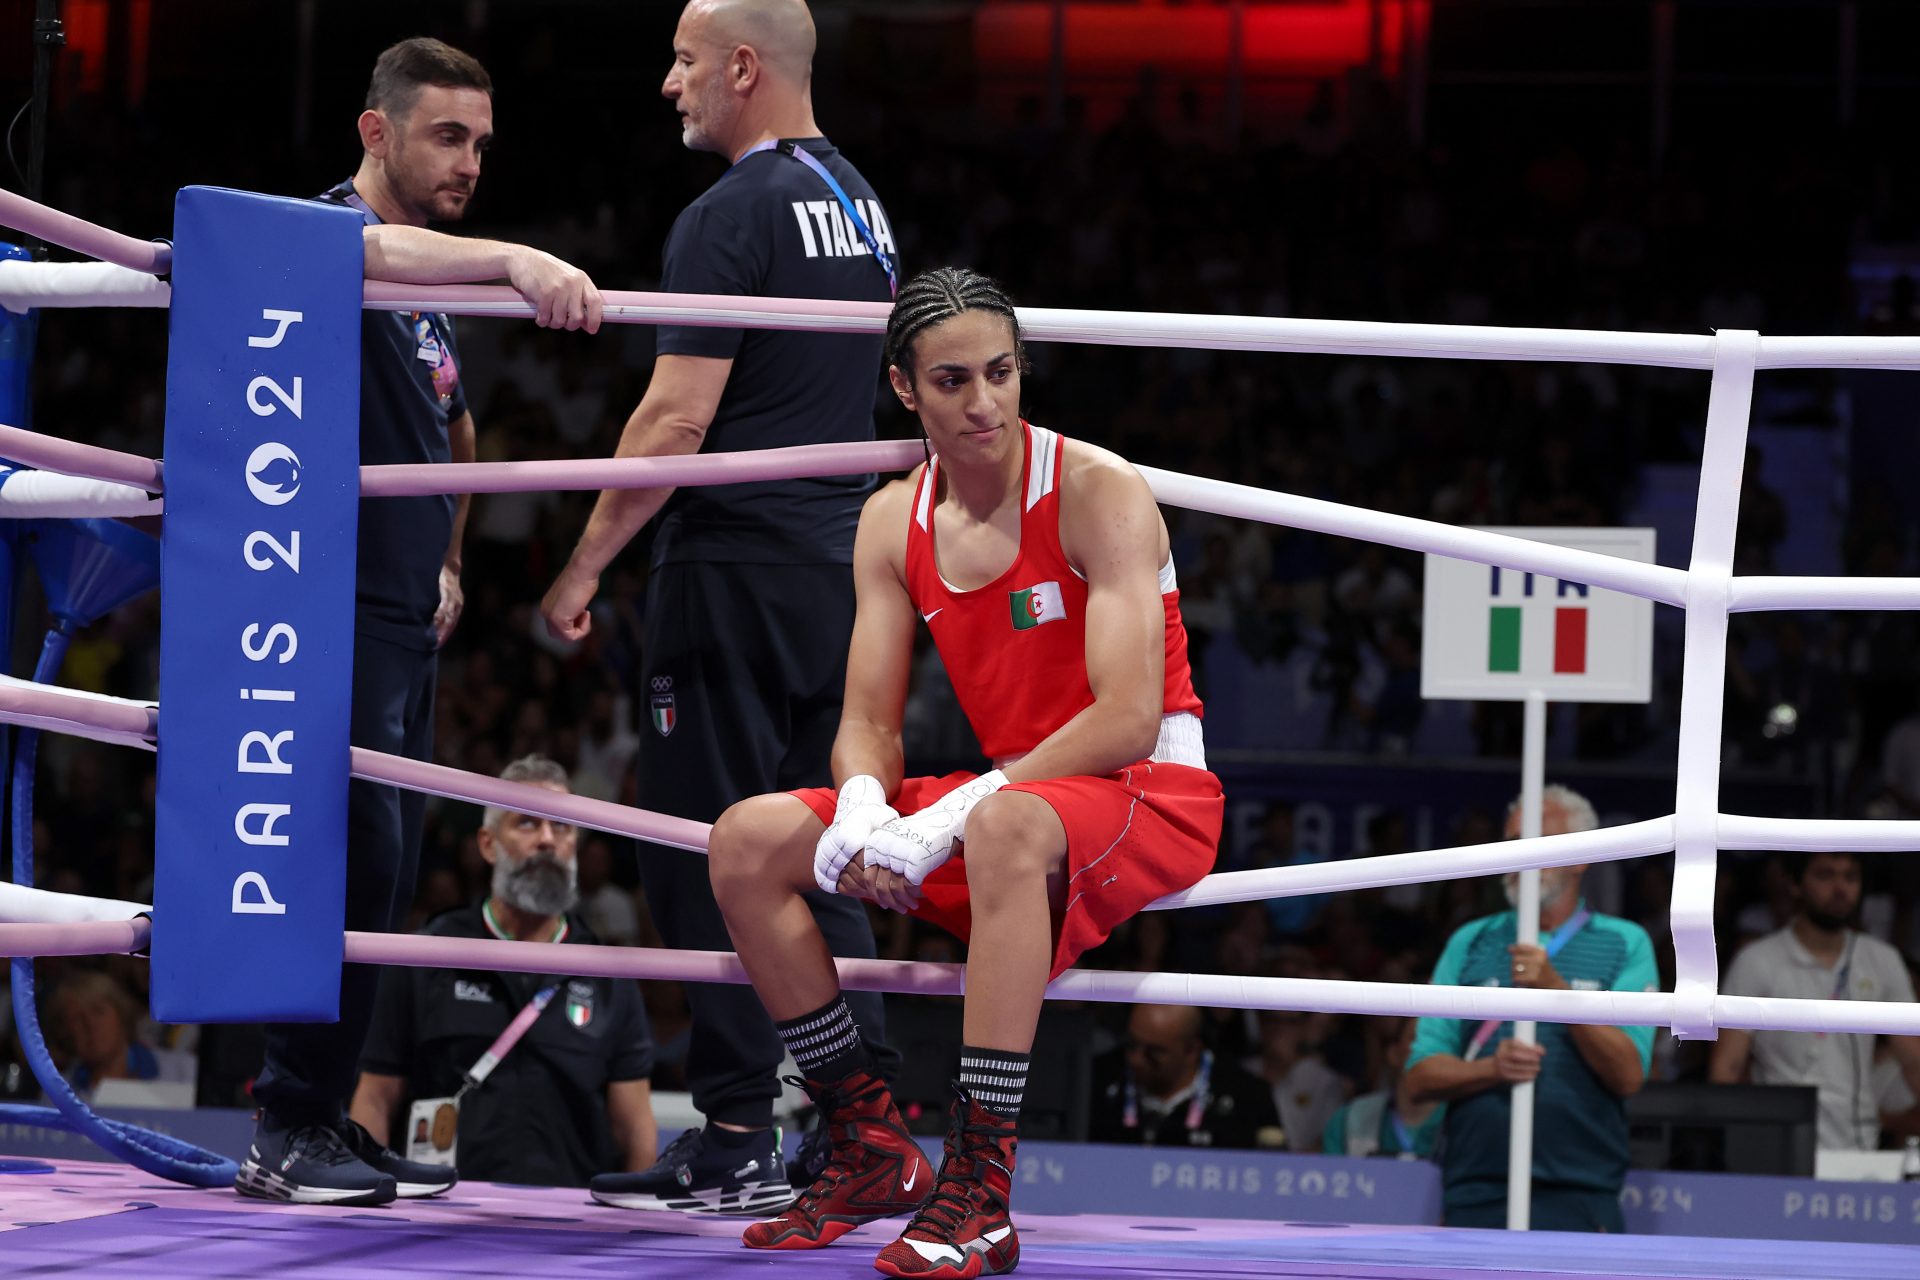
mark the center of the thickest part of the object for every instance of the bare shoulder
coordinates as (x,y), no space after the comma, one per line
(1089,471)
(893,497)
(883,520)
(1106,509)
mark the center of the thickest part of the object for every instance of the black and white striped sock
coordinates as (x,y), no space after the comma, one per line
(825,1044)
(996,1079)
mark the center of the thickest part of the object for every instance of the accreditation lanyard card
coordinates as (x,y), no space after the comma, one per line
(433,1130)
(433,1124)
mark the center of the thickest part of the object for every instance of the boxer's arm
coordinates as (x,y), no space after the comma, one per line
(880,654)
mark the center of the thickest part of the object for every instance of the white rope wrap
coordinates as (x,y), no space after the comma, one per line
(26,285)
(26,495)
(21,905)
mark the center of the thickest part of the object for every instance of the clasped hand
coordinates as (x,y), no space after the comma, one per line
(896,854)
(879,885)
(872,852)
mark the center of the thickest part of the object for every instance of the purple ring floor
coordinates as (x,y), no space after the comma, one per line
(83,1219)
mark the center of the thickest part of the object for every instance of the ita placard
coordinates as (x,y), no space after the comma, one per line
(1498,634)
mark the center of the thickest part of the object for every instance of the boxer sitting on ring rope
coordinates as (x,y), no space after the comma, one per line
(1042,568)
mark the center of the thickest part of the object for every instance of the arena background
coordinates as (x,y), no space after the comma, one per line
(1676,165)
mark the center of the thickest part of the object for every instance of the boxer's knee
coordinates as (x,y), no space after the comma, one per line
(1013,837)
(761,847)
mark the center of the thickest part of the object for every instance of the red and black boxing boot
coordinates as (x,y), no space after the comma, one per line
(965,1228)
(876,1169)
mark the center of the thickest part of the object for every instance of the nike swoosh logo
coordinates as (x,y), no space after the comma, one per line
(908,1184)
(934,1251)
(929,617)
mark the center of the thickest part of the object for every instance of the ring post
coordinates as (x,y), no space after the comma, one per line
(1533,778)
(256,636)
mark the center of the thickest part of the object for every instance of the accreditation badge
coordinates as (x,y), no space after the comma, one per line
(433,1127)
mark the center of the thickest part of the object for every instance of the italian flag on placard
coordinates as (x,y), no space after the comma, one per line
(1569,640)
(1037,604)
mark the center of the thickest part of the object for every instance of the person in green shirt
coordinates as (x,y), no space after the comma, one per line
(1582,1074)
(1387,1122)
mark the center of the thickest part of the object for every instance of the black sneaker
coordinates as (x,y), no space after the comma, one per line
(816,1148)
(413,1179)
(696,1175)
(308,1164)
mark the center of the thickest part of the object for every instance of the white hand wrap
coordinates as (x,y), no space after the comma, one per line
(862,807)
(914,846)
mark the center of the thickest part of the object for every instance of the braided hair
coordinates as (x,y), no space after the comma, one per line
(941,294)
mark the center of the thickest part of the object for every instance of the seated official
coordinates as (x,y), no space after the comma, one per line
(1165,1088)
(567,1100)
(1388,1121)
(1582,1075)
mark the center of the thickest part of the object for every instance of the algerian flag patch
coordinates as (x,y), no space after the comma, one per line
(1037,604)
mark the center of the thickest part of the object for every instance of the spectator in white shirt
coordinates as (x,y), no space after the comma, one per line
(1819,956)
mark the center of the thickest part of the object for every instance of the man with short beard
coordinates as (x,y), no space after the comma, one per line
(427,122)
(1582,1074)
(570,1098)
(1818,956)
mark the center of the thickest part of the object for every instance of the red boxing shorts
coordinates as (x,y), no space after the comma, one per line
(1135,835)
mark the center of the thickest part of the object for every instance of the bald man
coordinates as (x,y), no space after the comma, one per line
(1164,1087)
(750,594)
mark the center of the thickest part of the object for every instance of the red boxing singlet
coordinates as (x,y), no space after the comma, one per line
(1016,649)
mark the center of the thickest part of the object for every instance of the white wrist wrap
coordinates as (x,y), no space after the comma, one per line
(861,807)
(914,846)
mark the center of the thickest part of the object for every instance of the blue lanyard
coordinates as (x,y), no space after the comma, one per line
(1554,942)
(1574,923)
(789,148)
(1842,979)
(1401,1133)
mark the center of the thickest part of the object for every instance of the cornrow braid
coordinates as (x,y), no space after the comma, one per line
(941,294)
